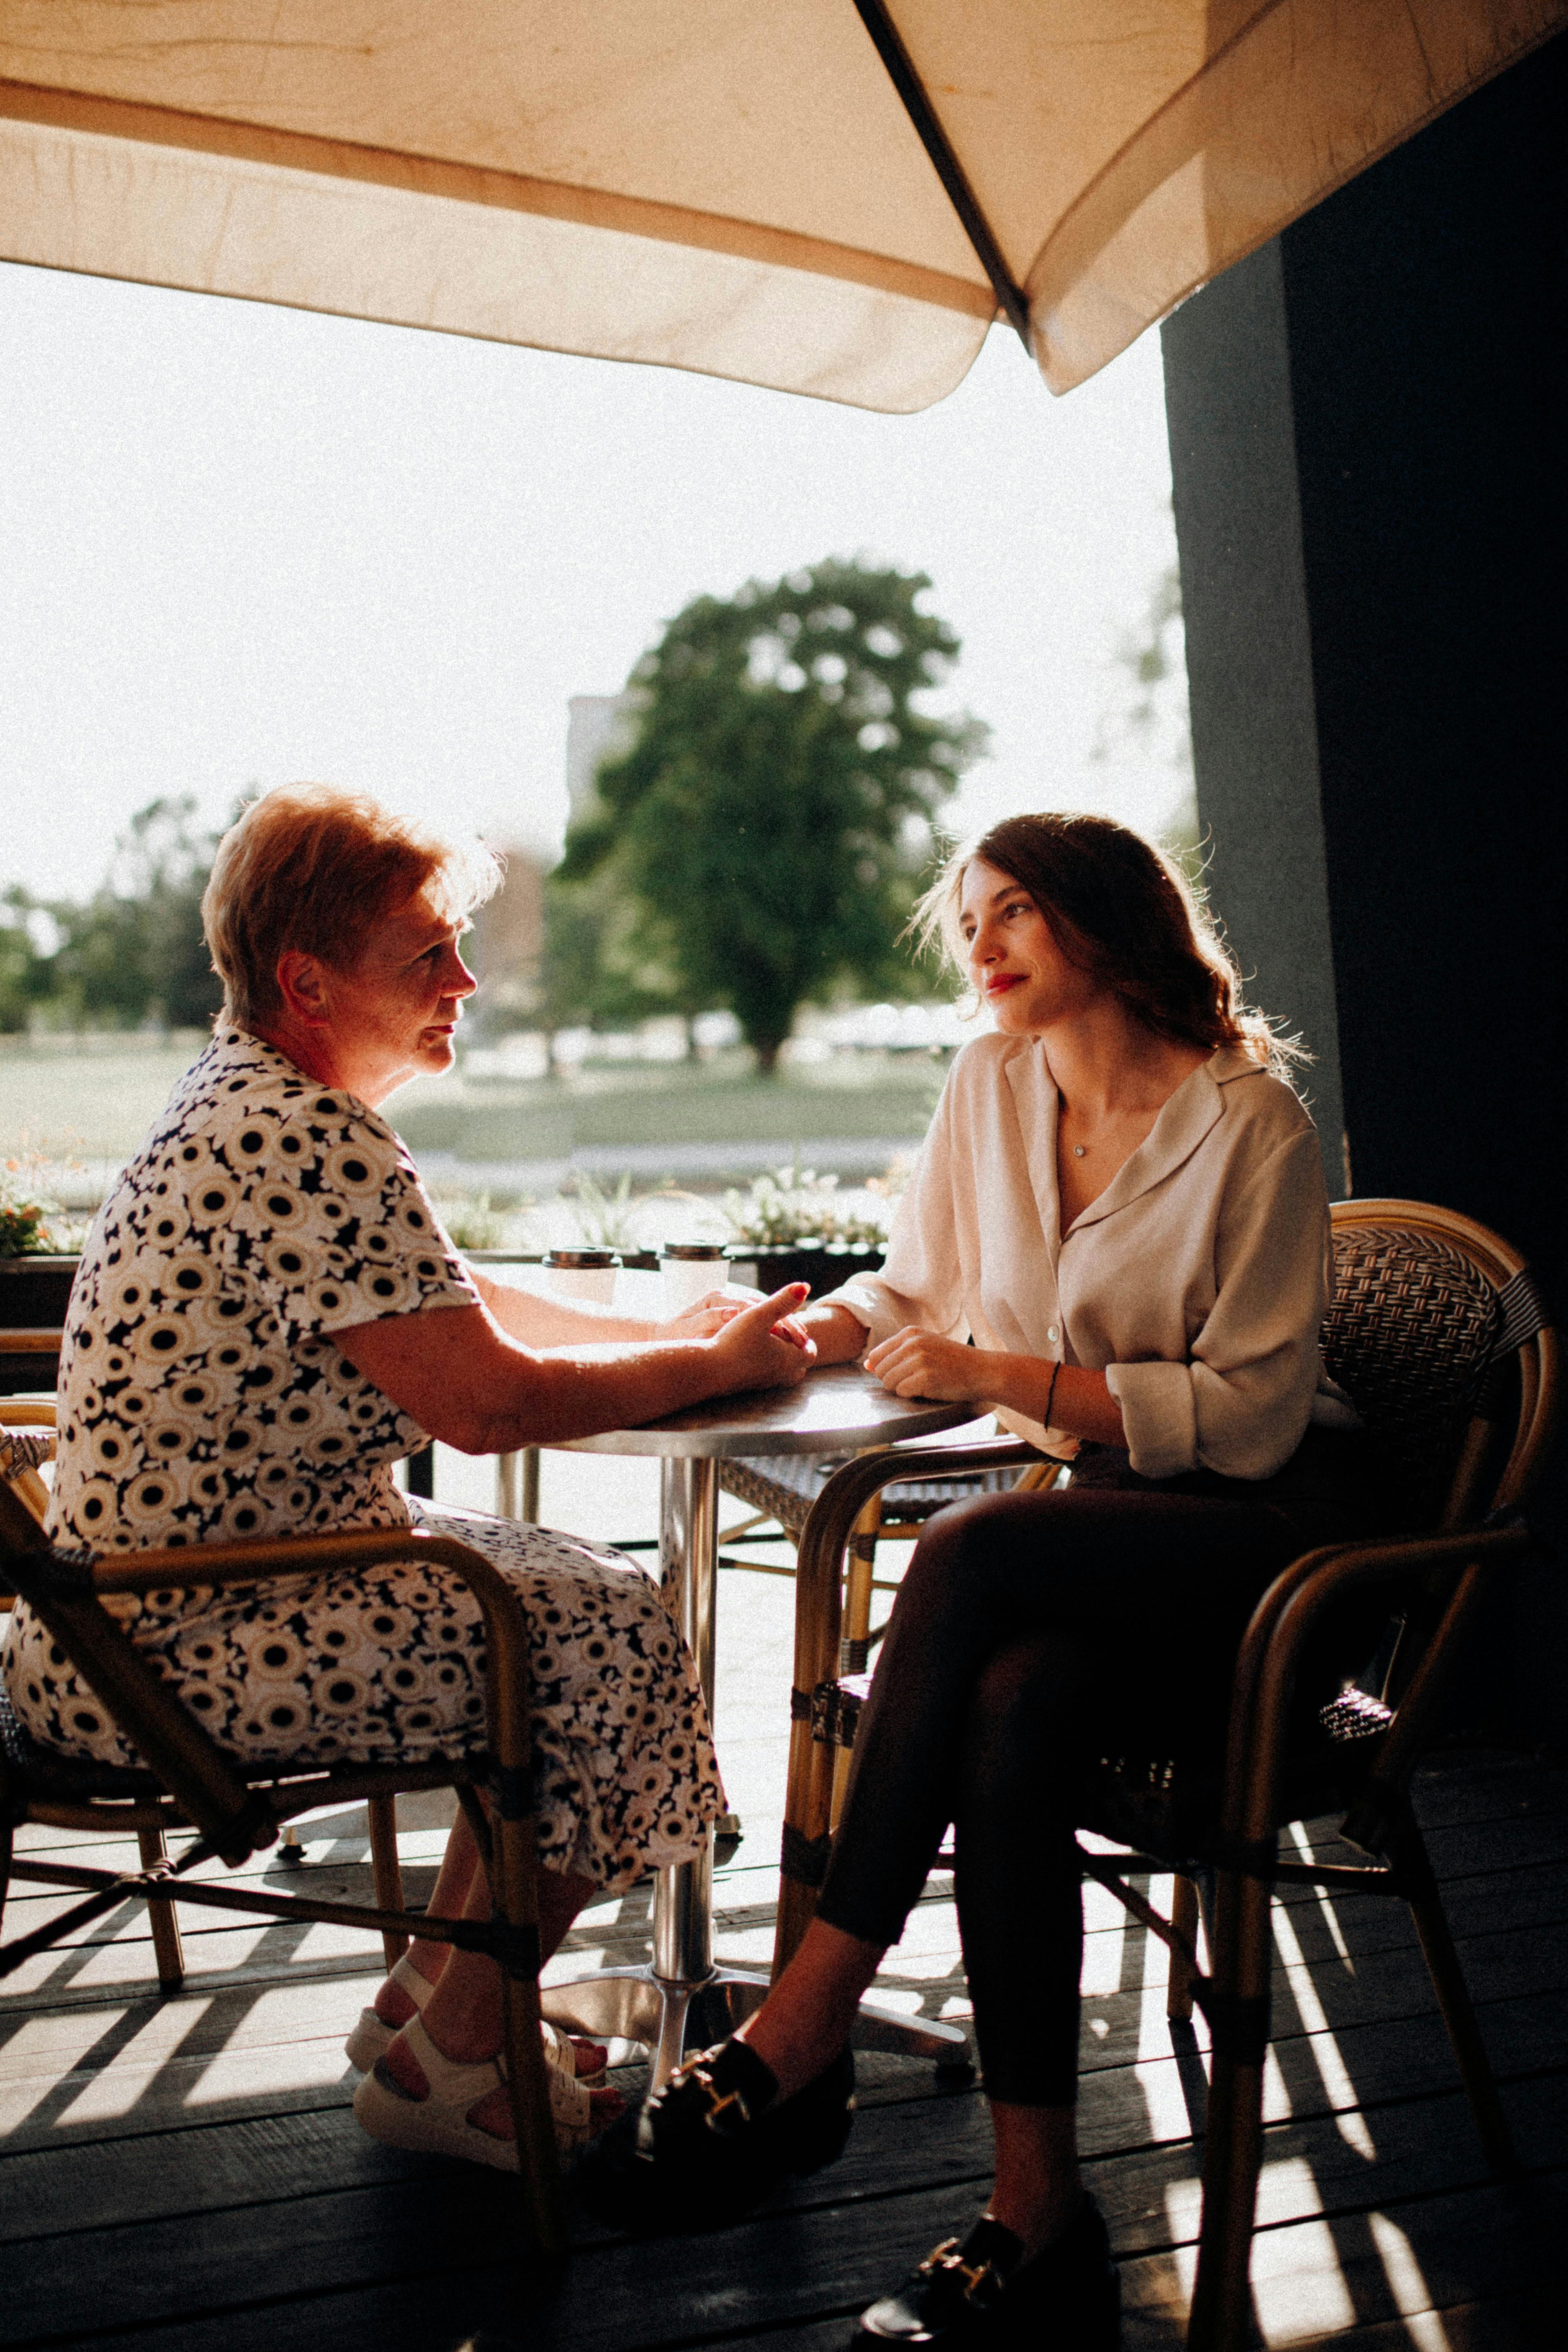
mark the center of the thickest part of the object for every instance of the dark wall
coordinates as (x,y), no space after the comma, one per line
(1368,425)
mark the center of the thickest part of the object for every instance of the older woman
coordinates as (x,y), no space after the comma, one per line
(1118,1235)
(266,1319)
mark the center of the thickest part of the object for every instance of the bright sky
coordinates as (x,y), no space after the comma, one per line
(246,544)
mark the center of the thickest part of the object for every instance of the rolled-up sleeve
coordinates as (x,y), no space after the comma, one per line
(1241,1403)
(922,1281)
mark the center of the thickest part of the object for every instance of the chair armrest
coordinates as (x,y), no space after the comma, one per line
(831,1519)
(67,1595)
(1266,1665)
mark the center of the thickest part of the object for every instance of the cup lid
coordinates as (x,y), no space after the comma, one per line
(579,1257)
(707,1251)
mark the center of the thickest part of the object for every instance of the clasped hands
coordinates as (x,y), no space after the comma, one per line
(912,1363)
(710,1314)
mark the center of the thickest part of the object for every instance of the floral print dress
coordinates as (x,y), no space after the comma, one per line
(202,1400)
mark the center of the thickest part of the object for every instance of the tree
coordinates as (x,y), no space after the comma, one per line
(28,935)
(772,818)
(135,950)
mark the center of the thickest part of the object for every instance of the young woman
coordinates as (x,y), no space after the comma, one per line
(1117,1237)
(267,1318)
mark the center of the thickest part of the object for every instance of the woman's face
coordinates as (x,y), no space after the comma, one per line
(395,1014)
(1015,966)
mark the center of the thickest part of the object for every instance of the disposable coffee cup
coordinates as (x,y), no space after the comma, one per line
(689,1271)
(587,1273)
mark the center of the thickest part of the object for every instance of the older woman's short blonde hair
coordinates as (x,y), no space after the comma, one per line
(314,866)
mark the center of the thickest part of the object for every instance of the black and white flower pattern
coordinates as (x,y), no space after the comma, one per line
(202,1400)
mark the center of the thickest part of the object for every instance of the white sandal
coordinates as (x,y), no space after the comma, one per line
(439,2124)
(372,2037)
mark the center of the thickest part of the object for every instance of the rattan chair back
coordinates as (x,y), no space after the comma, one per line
(1423,1335)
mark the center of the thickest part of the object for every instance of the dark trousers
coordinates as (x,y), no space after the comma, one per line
(1032,1634)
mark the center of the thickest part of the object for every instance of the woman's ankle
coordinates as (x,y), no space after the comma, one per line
(808,2016)
(1037,2221)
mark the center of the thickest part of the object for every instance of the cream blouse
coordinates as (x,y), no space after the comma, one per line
(1197,1281)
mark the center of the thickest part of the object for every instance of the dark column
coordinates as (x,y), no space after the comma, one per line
(1368,423)
(1249,660)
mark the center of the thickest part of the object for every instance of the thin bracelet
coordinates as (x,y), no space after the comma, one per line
(1050,1396)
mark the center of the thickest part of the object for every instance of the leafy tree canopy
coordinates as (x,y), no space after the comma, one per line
(134,950)
(773,819)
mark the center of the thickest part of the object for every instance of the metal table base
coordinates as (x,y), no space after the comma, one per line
(682,2001)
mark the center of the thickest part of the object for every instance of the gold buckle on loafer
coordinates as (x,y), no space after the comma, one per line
(695,2069)
(949,2257)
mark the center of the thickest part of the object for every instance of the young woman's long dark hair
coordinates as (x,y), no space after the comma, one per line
(1124,911)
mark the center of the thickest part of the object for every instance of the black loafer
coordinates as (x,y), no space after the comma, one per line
(714,2141)
(983,2291)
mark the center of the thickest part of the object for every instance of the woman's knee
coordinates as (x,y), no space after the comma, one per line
(970,1546)
(1024,1723)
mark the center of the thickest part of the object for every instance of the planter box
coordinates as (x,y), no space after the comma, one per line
(34,1295)
(825,1266)
(36,1291)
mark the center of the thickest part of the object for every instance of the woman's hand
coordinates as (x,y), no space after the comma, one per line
(762,1347)
(916,1363)
(708,1315)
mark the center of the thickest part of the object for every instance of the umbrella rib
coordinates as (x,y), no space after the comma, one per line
(900,65)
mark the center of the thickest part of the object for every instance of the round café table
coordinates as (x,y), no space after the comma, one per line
(681,1999)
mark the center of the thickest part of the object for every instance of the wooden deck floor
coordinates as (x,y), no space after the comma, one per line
(186,2174)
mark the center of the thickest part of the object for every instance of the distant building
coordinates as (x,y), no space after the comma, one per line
(599,727)
(508,941)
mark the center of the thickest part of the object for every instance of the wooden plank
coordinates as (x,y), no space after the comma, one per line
(813,2252)
(58,2171)
(120,1955)
(311,2242)
(1492,2252)
(146,2063)
(911,2151)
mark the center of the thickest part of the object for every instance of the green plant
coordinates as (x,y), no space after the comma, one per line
(29,1216)
(605,1220)
(793,1206)
(473,1224)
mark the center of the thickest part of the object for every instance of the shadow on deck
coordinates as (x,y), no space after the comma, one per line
(186,2174)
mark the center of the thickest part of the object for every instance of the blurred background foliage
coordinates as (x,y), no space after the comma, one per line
(760,842)
(131,956)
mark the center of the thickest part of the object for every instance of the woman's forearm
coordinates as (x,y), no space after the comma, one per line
(542,1322)
(612,1386)
(1068,1397)
(476,1387)
(1078,1402)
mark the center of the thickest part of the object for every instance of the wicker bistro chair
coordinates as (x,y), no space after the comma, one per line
(783,1488)
(235,1811)
(1439,1333)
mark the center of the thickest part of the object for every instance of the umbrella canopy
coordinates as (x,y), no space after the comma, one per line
(829,196)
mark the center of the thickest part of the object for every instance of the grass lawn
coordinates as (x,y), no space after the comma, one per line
(96,1105)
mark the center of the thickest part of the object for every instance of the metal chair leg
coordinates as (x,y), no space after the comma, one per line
(1185,1920)
(387,1869)
(1241,1964)
(1407,1851)
(167,1948)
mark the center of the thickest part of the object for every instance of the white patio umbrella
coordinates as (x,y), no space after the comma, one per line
(829,196)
